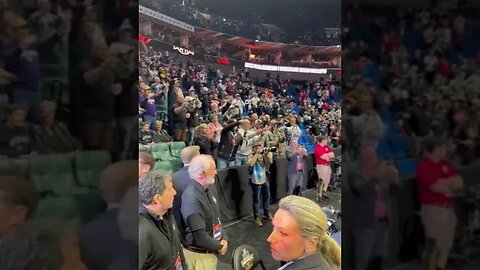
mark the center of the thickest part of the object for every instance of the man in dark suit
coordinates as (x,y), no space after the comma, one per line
(371,182)
(181,180)
(100,239)
(295,156)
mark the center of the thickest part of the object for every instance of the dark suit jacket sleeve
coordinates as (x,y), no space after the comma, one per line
(229,127)
(359,183)
(290,154)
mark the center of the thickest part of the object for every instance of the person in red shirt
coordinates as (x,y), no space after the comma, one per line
(436,181)
(323,155)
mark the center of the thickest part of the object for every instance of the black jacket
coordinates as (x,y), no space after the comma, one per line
(226,149)
(159,242)
(312,262)
(206,146)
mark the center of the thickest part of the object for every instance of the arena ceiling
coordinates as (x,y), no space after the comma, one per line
(289,14)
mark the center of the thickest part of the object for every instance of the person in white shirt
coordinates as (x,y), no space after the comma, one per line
(247,135)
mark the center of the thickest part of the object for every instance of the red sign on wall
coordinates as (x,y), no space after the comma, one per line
(223,61)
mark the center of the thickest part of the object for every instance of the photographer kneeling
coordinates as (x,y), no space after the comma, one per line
(259,162)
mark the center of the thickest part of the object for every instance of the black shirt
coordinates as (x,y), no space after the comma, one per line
(145,137)
(179,119)
(159,242)
(200,213)
(14,140)
(98,98)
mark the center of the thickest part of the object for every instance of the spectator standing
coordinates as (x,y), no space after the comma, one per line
(204,236)
(323,155)
(295,155)
(179,119)
(259,162)
(437,181)
(372,184)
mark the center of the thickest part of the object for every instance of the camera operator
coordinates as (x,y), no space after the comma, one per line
(259,162)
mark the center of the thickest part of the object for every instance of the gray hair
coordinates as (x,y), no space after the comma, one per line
(35,245)
(151,184)
(198,165)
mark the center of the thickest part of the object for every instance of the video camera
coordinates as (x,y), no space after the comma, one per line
(270,149)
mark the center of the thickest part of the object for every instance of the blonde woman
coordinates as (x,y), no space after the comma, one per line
(300,239)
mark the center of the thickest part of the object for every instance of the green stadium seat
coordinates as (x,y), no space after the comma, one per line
(164,166)
(63,208)
(7,166)
(176,164)
(53,175)
(89,166)
(142,147)
(161,152)
(176,148)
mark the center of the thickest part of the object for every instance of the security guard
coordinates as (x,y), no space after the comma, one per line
(204,236)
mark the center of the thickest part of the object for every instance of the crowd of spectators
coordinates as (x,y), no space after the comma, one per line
(203,106)
(67,74)
(416,70)
(52,52)
(409,74)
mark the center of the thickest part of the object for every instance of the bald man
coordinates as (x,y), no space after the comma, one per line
(181,180)
(100,239)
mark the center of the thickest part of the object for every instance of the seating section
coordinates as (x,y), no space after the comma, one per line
(161,151)
(164,166)
(167,156)
(64,208)
(176,148)
(7,166)
(68,185)
(142,147)
(89,166)
(53,175)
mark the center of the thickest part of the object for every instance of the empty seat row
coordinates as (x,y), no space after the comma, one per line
(164,151)
(60,174)
(75,210)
